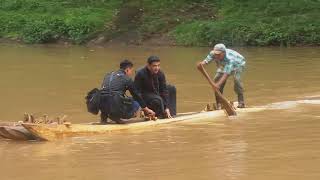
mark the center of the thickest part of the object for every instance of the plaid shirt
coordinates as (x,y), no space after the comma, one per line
(232,61)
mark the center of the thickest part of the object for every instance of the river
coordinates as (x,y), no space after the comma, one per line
(280,143)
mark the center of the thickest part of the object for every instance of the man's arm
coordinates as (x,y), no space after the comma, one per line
(138,81)
(137,96)
(163,90)
(202,70)
(207,60)
(222,80)
(226,72)
(201,64)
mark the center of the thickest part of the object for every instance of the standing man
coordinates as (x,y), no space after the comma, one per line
(229,62)
(114,103)
(151,83)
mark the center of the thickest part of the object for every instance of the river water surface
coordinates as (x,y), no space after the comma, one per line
(279,143)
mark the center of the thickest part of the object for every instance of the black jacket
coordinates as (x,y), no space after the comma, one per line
(120,83)
(146,82)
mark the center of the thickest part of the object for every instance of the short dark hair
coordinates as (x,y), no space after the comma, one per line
(126,64)
(153,59)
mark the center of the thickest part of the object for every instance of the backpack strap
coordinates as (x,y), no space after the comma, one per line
(110,80)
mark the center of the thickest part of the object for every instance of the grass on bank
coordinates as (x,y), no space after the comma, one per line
(161,16)
(43,21)
(189,22)
(257,23)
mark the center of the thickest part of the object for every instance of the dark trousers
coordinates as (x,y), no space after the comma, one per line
(107,102)
(155,102)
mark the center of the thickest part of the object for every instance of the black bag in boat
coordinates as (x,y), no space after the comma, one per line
(93,101)
(121,106)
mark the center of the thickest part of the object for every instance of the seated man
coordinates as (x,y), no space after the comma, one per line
(151,83)
(114,103)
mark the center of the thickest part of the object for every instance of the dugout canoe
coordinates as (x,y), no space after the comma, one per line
(50,132)
(15,131)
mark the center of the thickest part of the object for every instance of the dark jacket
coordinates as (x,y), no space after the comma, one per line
(146,82)
(120,83)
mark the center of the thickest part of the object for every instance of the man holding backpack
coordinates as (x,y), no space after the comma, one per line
(114,104)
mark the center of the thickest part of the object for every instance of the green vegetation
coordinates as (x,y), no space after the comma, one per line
(249,22)
(161,16)
(188,22)
(42,21)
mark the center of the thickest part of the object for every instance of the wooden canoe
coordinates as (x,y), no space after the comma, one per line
(5,134)
(15,131)
(49,132)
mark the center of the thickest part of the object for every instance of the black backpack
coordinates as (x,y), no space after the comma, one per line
(93,101)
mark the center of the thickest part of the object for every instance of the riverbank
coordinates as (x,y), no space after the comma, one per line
(162,22)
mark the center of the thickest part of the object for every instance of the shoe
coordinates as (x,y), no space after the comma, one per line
(241,105)
(103,118)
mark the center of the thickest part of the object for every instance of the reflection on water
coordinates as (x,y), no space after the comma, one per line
(279,143)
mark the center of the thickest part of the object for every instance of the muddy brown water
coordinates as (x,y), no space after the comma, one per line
(281,143)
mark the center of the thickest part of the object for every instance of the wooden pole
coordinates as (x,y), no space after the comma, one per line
(225,103)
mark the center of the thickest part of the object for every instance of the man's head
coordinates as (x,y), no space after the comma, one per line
(219,51)
(153,64)
(127,67)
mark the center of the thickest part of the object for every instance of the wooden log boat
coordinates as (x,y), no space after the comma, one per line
(5,134)
(20,133)
(50,132)
(15,131)
(2,134)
